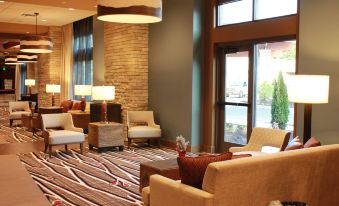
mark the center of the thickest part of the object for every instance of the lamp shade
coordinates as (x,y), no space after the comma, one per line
(130,11)
(309,89)
(52,88)
(83,90)
(12,60)
(36,44)
(27,57)
(103,93)
(29,82)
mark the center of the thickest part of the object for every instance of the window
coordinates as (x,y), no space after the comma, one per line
(83,53)
(238,11)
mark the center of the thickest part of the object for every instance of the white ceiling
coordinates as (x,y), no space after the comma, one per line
(11,12)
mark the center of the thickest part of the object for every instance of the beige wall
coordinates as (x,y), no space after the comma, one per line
(319,54)
(98,52)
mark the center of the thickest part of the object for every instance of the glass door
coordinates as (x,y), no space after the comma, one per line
(234,96)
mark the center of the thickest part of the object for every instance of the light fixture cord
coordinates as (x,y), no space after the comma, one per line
(36,23)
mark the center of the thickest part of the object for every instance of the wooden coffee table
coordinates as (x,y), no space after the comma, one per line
(167,168)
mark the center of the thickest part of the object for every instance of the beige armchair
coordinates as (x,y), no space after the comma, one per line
(59,129)
(148,131)
(265,137)
(17,109)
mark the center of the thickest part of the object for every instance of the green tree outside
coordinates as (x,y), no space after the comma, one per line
(265,91)
(280,105)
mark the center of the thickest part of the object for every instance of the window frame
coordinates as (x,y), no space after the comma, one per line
(254,10)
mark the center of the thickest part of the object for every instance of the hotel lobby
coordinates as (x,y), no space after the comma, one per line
(169,102)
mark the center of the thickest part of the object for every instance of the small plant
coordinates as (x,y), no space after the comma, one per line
(181,143)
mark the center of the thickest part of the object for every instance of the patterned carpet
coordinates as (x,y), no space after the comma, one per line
(108,178)
(16,134)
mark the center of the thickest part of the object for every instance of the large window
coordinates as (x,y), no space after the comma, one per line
(83,52)
(238,11)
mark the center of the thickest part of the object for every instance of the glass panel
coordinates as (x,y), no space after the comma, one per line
(237,77)
(235,124)
(274,8)
(235,12)
(274,60)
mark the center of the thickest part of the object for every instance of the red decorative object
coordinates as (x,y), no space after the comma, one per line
(182,153)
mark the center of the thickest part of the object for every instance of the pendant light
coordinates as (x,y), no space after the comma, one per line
(130,11)
(36,43)
(27,57)
(12,60)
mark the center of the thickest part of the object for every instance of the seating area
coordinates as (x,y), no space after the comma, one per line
(156,103)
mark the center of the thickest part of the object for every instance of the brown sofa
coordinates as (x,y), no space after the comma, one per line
(309,175)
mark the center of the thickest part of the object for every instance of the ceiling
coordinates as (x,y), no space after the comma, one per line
(51,12)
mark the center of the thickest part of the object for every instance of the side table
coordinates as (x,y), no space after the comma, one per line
(168,168)
(102,135)
(27,120)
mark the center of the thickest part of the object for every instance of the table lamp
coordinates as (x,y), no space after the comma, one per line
(308,90)
(53,88)
(29,83)
(83,90)
(103,93)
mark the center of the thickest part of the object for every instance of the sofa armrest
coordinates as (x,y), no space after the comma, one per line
(168,192)
(237,149)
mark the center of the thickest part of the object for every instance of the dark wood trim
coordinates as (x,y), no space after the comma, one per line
(22,47)
(140,10)
(10,44)
(295,132)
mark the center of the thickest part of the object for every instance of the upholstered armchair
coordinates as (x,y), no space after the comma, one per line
(59,129)
(148,130)
(17,109)
(265,137)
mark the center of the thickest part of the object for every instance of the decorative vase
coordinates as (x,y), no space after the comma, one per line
(182,153)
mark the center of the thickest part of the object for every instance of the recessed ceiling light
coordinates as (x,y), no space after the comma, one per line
(71,9)
(44,20)
(2,1)
(27,32)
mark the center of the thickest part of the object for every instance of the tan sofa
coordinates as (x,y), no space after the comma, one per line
(309,175)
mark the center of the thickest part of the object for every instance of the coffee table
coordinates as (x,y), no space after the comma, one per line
(168,168)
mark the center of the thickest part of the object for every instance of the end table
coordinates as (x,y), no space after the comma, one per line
(102,135)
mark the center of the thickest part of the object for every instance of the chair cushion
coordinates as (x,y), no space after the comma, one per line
(65,137)
(18,114)
(143,131)
(192,169)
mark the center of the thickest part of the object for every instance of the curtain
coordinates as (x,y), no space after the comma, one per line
(67,62)
(83,52)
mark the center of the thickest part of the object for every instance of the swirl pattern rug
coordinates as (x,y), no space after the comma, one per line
(107,178)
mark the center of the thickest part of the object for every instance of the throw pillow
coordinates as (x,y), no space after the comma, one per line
(192,169)
(294,144)
(76,106)
(312,142)
(66,105)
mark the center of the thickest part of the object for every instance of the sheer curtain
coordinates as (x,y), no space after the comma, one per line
(67,62)
(83,52)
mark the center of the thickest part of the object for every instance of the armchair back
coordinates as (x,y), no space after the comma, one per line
(63,120)
(140,117)
(19,106)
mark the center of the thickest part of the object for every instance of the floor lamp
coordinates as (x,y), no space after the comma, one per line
(103,93)
(308,90)
(52,88)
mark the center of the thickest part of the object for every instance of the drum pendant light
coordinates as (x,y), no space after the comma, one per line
(12,60)
(27,57)
(130,11)
(36,43)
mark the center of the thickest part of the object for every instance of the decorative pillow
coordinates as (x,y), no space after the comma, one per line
(294,144)
(76,106)
(312,142)
(192,169)
(66,105)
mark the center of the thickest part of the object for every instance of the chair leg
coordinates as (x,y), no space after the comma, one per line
(149,142)
(46,148)
(11,122)
(129,143)
(66,148)
(159,143)
(81,147)
(50,150)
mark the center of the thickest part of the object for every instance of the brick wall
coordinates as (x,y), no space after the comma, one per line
(49,66)
(126,62)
